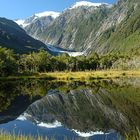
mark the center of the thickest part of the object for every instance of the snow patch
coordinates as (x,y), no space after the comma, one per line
(50,125)
(23,117)
(48,13)
(86,3)
(75,54)
(88,134)
(25,23)
(20,21)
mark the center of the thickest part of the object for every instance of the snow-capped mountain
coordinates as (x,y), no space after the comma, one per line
(67,30)
(49,26)
(38,22)
(86,4)
(48,13)
(84,27)
(35,17)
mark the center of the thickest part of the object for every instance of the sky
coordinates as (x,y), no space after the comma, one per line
(21,9)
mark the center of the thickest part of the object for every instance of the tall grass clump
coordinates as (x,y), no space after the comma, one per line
(8,136)
(135,135)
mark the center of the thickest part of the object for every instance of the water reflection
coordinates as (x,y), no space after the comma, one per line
(16,96)
(91,110)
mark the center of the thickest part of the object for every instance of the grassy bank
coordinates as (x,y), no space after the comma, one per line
(87,75)
(134,136)
(6,136)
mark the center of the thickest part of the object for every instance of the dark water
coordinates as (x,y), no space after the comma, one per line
(97,110)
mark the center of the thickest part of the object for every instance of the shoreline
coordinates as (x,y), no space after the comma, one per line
(81,75)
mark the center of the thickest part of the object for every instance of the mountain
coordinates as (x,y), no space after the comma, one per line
(71,29)
(48,14)
(35,24)
(120,32)
(14,37)
(68,23)
(94,27)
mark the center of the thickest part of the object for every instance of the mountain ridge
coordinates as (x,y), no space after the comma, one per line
(92,28)
(25,22)
(86,4)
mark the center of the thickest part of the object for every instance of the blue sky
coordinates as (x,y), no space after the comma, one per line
(20,9)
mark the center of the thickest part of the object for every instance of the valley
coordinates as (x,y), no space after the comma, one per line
(71,72)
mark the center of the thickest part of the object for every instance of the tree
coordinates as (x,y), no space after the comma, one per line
(8,64)
(93,61)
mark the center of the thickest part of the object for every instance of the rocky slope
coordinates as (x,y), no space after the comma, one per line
(121,30)
(67,30)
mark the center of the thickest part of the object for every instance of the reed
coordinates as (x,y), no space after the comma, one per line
(8,136)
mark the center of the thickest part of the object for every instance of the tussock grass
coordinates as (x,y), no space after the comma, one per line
(7,136)
(82,75)
(133,136)
(89,75)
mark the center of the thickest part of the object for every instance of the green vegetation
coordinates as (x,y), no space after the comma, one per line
(89,75)
(32,64)
(81,24)
(124,37)
(135,135)
(7,136)
(8,64)
(14,37)
(26,91)
(104,30)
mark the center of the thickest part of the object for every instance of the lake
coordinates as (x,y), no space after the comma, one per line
(71,110)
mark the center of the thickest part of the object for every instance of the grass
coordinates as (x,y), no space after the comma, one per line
(91,74)
(7,136)
(134,136)
(83,75)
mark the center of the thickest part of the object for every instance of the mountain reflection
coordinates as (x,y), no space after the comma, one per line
(86,108)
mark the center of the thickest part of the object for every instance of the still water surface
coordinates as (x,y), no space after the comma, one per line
(97,110)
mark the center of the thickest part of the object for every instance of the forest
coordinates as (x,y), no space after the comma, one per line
(41,62)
